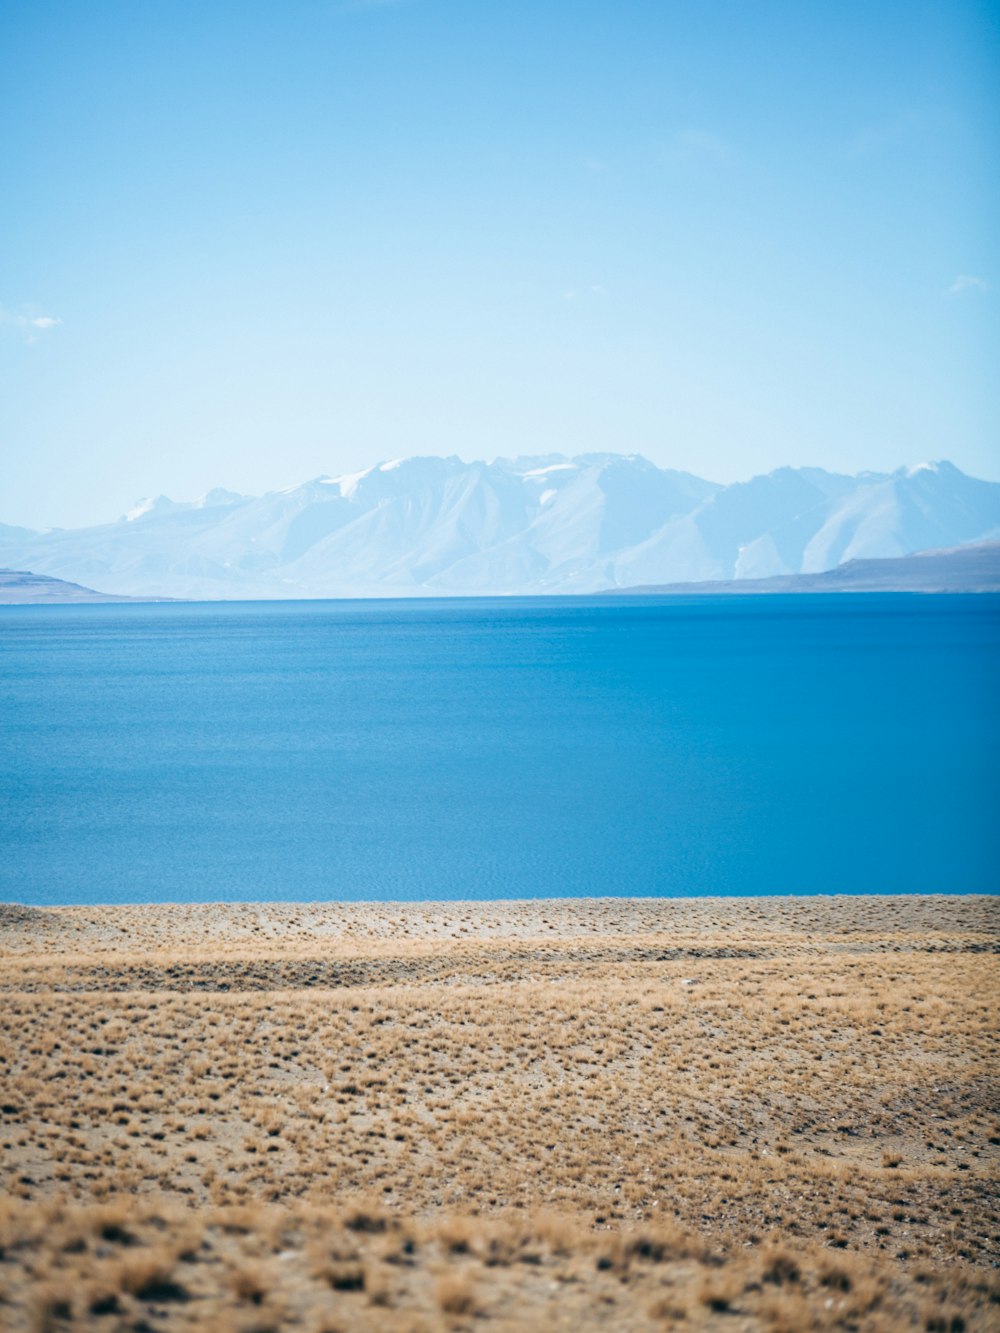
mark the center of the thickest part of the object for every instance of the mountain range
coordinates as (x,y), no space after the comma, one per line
(438,527)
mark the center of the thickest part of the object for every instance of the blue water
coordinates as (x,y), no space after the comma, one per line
(499,748)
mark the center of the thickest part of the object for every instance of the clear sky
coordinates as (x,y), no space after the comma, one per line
(243,244)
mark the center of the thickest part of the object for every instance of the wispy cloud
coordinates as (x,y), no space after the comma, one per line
(968,282)
(580,293)
(26,323)
(698,146)
(872,140)
(908,129)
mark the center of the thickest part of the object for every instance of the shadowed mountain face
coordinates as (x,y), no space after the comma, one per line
(963,569)
(551,524)
(21,587)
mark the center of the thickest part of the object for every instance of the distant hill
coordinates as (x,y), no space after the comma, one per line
(962,569)
(420,527)
(19,586)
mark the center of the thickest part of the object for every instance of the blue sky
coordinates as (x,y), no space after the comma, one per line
(245,244)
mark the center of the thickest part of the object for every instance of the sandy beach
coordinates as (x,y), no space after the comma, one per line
(623,1114)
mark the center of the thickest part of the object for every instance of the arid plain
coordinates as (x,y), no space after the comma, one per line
(618,1114)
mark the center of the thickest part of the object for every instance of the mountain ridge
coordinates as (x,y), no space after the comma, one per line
(22,587)
(962,569)
(437,526)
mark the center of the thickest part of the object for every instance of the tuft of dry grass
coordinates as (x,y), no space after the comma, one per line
(456,1294)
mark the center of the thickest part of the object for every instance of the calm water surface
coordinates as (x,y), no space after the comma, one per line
(508,748)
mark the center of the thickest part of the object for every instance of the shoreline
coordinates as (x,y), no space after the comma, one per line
(837,895)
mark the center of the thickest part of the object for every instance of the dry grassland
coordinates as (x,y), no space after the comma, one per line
(721,1114)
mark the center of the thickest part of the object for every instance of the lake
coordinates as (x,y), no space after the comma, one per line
(497,748)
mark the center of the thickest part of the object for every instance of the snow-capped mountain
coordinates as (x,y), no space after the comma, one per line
(551,524)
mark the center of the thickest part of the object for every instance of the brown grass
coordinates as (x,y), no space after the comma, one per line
(620,1114)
